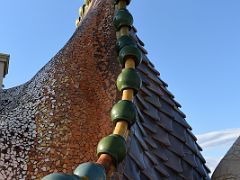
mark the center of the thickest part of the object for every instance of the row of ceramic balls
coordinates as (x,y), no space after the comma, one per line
(114,145)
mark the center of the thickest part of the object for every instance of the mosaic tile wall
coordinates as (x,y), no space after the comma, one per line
(54,121)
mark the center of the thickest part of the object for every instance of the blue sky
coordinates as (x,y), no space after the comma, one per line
(194,44)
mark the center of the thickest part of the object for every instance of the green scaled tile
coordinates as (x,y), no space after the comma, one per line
(124,110)
(113,145)
(130,52)
(61,176)
(129,79)
(124,41)
(122,18)
(90,171)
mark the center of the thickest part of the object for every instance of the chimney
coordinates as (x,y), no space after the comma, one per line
(4,62)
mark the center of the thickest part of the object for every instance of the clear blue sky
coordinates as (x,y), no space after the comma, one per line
(194,44)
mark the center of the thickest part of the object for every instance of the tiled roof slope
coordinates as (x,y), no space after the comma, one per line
(161,144)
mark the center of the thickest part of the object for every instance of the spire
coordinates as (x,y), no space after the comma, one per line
(229,166)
